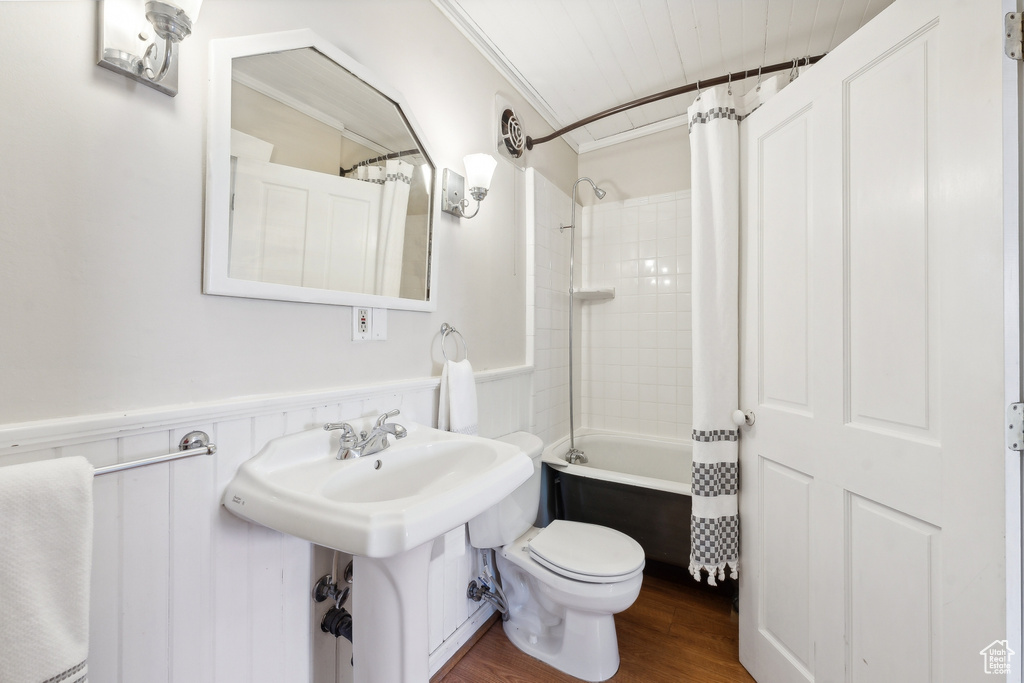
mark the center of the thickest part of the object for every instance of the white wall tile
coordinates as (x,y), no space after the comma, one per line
(639,343)
(632,350)
(550,416)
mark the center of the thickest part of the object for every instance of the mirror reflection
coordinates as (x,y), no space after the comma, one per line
(329,187)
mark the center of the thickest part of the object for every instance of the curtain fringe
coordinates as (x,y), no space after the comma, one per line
(716,571)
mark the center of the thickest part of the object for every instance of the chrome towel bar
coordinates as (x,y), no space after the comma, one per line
(193,443)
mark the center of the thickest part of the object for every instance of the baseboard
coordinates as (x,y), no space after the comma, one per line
(448,653)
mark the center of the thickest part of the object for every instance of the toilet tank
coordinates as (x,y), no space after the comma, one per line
(505,521)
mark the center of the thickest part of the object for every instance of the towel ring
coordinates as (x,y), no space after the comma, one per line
(447,329)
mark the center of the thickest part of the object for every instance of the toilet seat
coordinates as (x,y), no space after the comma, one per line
(587,552)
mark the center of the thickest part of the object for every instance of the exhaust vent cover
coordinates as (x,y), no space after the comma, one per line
(512,134)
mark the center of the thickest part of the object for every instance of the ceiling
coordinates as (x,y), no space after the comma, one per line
(575,58)
(309,82)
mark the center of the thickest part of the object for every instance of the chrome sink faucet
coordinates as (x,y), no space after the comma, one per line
(353,446)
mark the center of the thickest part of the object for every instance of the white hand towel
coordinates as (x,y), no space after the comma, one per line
(456,410)
(45,564)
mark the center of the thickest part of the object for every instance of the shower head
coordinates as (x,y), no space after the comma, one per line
(597,190)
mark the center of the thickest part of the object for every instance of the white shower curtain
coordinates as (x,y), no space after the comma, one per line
(714,165)
(374,175)
(388,244)
(394,206)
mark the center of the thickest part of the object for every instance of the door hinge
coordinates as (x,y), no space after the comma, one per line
(1013,35)
(1015,427)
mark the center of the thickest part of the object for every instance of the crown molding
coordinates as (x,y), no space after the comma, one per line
(636,133)
(475,35)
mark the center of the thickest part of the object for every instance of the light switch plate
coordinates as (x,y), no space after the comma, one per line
(379,325)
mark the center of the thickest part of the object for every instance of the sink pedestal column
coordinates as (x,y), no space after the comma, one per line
(389,617)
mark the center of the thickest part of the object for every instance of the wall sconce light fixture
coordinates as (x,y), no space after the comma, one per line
(126,45)
(479,169)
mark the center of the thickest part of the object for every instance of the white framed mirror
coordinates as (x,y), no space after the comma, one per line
(319,184)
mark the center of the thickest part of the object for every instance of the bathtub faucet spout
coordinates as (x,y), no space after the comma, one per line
(575,455)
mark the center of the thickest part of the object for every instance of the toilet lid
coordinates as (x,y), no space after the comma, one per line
(587,552)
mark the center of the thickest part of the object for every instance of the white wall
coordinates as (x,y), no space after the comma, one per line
(111,351)
(101,218)
(650,165)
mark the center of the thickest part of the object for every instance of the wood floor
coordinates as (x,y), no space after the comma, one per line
(677,630)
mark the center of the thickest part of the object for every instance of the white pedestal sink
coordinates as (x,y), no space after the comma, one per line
(389,617)
(385,509)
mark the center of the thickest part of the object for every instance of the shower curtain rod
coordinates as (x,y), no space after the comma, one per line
(691,87)
(383,157)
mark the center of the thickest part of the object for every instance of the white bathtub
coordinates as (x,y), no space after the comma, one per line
(651,463)
(638,485)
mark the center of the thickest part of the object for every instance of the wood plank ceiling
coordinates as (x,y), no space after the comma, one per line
(574,58)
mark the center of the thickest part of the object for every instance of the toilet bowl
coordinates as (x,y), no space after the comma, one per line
(564,583)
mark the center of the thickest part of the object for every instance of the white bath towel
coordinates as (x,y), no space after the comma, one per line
(456,411)
(45,564)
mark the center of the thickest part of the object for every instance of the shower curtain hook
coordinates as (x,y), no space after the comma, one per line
(730,84)
(759,79)
(698,90)
(795,71)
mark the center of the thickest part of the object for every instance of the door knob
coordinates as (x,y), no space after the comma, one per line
(741,418)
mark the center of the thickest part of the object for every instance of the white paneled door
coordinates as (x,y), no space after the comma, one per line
(292,226)
(872,497)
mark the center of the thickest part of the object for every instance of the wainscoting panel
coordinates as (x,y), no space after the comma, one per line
(192,483)
(185,592)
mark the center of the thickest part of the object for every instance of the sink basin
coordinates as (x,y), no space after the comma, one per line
(378,505)
(385,509)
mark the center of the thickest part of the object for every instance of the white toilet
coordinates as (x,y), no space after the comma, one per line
(564,583)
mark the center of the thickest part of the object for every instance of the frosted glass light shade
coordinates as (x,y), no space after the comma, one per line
(190,8)
(479,169)
(173,19)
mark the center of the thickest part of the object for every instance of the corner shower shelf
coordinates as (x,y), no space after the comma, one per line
(594,294)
